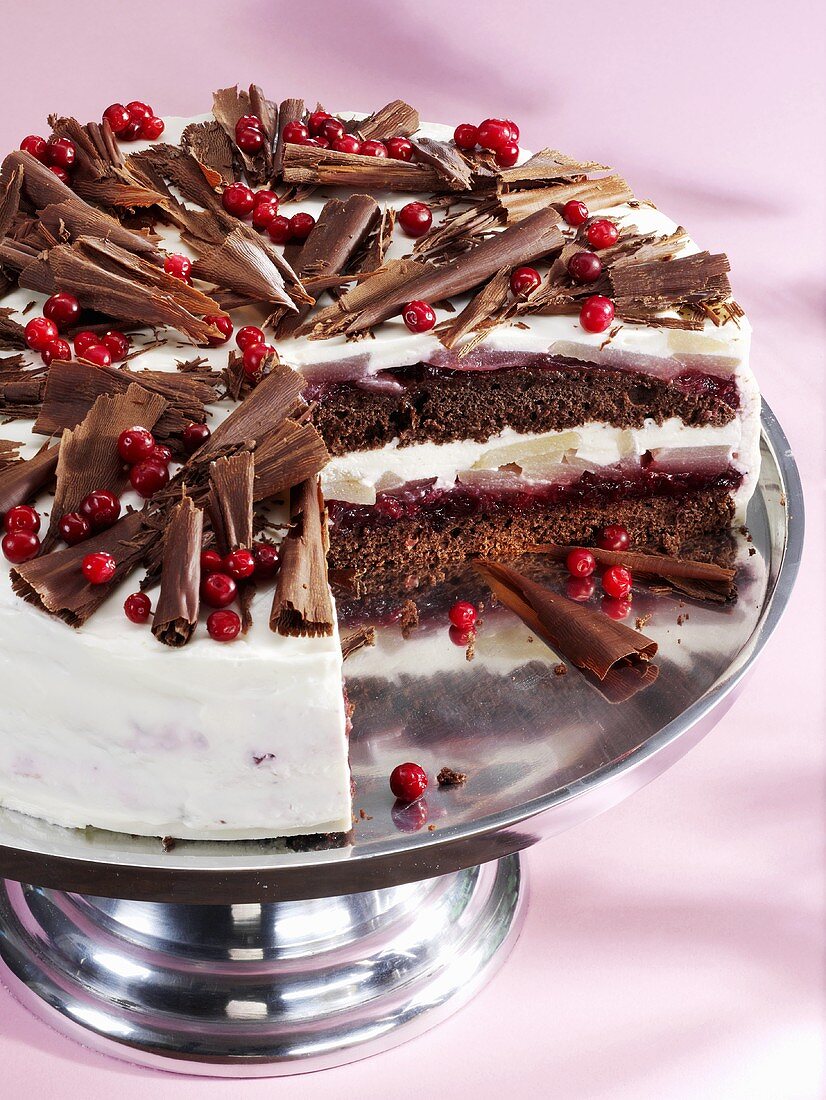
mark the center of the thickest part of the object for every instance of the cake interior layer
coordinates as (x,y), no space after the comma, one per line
(425,403)
(459,525)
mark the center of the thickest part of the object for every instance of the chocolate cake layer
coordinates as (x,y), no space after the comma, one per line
(423,544)
(436,405)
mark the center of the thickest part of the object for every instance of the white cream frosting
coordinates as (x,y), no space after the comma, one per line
(104,726)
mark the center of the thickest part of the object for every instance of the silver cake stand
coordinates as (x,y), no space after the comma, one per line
(246,960)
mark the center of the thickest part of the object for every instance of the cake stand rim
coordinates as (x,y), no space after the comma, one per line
(171,877)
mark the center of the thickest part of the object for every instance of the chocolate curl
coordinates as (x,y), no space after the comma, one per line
(702,580)
(176,613)
(89,456)
(482,312)
(11,184)
(305,164)
(446,160)
(229,503)
(359,638)
(395,119)
(289,110)
(302,606)
(289,454)
(596,194)
(9,453)
(22,482)
(55,582)
(210,145)
(270,402)
(243,265)
(588,639)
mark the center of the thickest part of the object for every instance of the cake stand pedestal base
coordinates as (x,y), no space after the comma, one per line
(258,990)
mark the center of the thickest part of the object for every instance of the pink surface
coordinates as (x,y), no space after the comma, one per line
(674,947)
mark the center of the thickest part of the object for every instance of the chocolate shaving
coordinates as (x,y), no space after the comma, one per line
(290,453)
(305,164)
(229,504)
(176,612)
(447,162)
(9,453)
(481,309)
(596,194)
(546,166)
(243,265)
(395,119)
(588,639)
(657,285)
(302,606)
(21,482)
(361,637)
(228,106)
(11,185)
(72,388)
(11,331)
(89,456)
(376,247)
(389,289)
(700,579)
(459,232)
(55,582)
(289,110)
(271,402)
(210,145)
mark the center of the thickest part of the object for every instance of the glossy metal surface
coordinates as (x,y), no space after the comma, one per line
(543,752)
(253,990)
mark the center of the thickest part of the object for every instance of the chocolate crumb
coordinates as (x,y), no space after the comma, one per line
(409,618)
(431,828)
(680,620)
(168,843)
(448,777)
(560,669)
(752,551)
(642,620)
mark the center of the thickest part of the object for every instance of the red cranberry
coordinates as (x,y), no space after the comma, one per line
(135,444)
(152,128)
(20,546)
(57,349)
(99,567)
(238,200)
(463,615)
(514,129)
(613,537)
(223,626)
(597,313)
(249,122)
(99,355)
(616,581)
(178,266)
(301,225)
(295,132)
(524,280)
(61,173)
(466,136)
(62,308)
(315,143)
(224,326)
(348,143)
(419,317)
(22,517)
(194,435)
(373,149)
(266,560)
(161,454)
(85,340)
(399,148)
(240,564)
(507,154)
(409,817)
(602,233)
(211,561)
(615,609)
(117,344)
(263,214)
(218,589)
(138,111)
(585,267)
(460,638)
(101,508)
(279,230)
(74,528)
(254,357)
(39,333)
(118,118)
(247,335)
(265,195)
(580,589)
(332,129)
(415,218)
(249,139)
(35,146)
(137,607)
(60,153)
(315,123)
(132,131)
(580,562)
(493,134)
(574,212)
(408,782)
(148,477)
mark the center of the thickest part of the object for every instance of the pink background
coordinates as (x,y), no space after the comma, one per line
(674,947)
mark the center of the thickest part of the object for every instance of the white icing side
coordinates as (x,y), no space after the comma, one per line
(104,726)
(357,476)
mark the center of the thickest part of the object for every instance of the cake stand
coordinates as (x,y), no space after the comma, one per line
(242,959)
